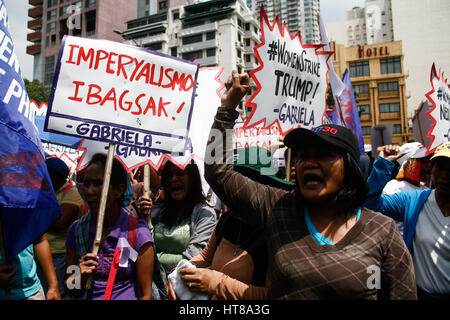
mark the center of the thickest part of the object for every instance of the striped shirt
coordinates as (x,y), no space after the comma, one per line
(370,262)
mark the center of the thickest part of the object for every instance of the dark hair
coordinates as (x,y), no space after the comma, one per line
(118,173)
(195,196)
(355,190)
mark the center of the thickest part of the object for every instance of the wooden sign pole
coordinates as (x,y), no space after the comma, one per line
(147,190)
(288,165)
(101,210)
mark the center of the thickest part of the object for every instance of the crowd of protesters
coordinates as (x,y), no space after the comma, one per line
(337,228)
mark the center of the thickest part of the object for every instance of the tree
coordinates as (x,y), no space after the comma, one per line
(330,99)
(37,91)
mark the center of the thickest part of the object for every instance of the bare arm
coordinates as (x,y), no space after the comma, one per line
(44,257)
(69,213)
(144,271)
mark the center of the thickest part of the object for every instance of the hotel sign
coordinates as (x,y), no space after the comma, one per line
(372,51)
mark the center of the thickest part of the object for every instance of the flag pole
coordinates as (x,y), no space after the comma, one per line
(101,210)
(3,251)
(288,164)
(340,111)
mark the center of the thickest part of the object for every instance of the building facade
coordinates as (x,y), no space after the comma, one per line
(212,33)
(299,15)
(52,19)
(421,26)
(378,80)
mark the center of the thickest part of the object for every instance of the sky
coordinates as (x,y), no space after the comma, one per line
(331,10)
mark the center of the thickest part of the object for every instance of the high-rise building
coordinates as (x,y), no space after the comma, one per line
(421,27)
(299,15)
(368,25)
(212,33)
(52,19)
(150,7)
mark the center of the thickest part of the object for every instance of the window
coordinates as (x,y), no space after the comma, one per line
(51,27)
(211,52)
(397,129)
(366,130)
(247,42)
(90,3)
(390,65)
(154,46)
(90,23)
(53,39)
(389,107)
(193,39)
(364,109)
(248,58)
(361,88)
(63,10)
(52,3)
(247,26)
(238,53)
(163,5)
(173,51)
(359,69)
(49,70)
(210,35)
(51,14)
(193,55)
(176,16)
(63,30)
(387,86)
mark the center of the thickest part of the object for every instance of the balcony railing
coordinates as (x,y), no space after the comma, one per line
(35,2)
(35,36)
(34,49)
(35,24)
(35,12)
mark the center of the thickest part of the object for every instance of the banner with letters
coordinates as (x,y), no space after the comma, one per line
(207,100)
(140,100)
(291,80)
(439,97)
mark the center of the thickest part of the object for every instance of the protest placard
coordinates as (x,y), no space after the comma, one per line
(439,97)
(291,80)
(139,100)
(207,101)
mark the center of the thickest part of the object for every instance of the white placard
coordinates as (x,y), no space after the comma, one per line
(439,97)
(291,80)
(115,93)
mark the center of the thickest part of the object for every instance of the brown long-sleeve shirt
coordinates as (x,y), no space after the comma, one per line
(240,262)
(371,256)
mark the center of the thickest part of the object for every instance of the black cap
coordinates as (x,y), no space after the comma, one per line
(338,136)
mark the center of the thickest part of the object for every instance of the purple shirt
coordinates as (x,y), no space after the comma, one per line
(125,278)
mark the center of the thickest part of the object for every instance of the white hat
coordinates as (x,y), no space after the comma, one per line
(413,150)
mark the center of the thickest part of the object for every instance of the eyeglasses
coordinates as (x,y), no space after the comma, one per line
(87,183)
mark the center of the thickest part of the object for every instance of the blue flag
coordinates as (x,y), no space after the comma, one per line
(349,110)
(27,201)
(55,138)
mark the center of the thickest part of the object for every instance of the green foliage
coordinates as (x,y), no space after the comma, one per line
(37,91)
(330,99)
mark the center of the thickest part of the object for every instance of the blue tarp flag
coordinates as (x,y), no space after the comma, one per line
(349,110)
(55,138)
(27,201)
